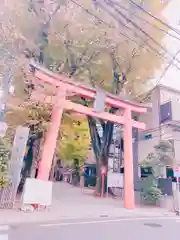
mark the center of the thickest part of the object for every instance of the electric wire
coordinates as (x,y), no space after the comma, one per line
(170,63)
(168,67)
(130,29)
(153,130)
(102,21)
(139,28)
(125,35)
(154,17)
(109,2)
(148,22)
(158,137)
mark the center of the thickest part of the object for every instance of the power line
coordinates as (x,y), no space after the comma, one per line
(152,48)
(162,75)
(125,35)
(109,2)
(155,129)
(152,130)
(112,26)
(168,66)
(99,19)
(155,137)
(164,72)
(148,22)
(154,17)
(102,21)
(130,29)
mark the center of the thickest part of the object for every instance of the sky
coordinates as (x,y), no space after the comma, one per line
(172,76)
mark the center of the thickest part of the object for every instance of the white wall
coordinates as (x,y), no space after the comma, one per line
(155,97)
(176,138)
(147,118)
(146,146)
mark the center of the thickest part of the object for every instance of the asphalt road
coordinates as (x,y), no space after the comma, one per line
(105,229)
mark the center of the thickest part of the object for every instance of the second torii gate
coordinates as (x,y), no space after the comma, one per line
(65,85)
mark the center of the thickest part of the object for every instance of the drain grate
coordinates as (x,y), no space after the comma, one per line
(153,225)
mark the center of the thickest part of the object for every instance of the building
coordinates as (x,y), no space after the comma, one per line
(163,122)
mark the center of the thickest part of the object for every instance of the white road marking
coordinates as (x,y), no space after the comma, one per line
(4,227)
(3,236)
(107,221)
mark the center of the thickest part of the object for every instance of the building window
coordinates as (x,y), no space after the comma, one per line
(148,136)
(146,172)
(165,112)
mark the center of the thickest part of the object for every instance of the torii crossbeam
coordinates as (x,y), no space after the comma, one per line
(65,85)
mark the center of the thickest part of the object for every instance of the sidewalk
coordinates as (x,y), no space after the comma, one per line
(70,203)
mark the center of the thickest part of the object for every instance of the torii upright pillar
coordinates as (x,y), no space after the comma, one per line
(51,136)
(129,201)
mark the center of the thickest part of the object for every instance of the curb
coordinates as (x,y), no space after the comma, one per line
(29,218)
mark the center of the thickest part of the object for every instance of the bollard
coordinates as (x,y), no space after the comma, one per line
(82,181)
(103,173)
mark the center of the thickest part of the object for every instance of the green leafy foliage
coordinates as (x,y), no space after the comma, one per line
(40,113)
(152,194)
(80,45)
(4,161)
(162,156)
(75,140)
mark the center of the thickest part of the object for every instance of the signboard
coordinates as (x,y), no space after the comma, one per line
(115,158)
(114,177)
(99,102)
(115,180)
(37,191)
(177,172)
(3,129)
(17,154)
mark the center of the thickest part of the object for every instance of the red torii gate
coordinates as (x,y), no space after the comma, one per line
(65,85)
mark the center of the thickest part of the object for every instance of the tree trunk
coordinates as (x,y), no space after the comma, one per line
(99,180)
(101,149)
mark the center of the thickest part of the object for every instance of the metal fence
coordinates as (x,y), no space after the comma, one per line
(7,197)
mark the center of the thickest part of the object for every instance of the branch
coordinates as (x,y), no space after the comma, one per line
(94,54)
(70,57)
(32,7)
(55,11)
(61,66)
(96,141)
(91,78)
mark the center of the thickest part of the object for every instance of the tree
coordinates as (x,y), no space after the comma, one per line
(73,134)
(74,140)
(163,156)
(100,45)
(121,67)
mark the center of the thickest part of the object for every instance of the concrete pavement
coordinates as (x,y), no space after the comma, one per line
(106,229)
(70,203)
